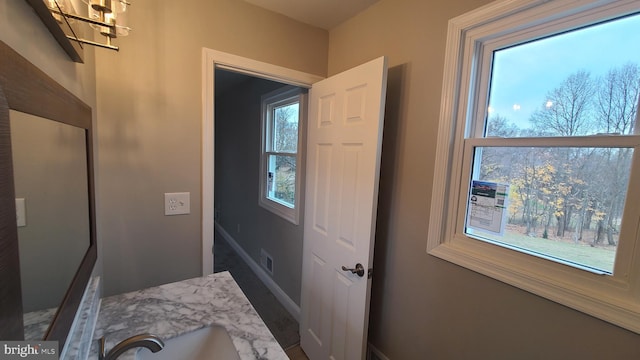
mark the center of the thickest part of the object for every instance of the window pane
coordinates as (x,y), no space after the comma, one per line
(582,82)
(564,203)
(285,128)
(281,179)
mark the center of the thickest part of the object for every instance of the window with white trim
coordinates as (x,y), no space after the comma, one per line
(280,156)
(538,155)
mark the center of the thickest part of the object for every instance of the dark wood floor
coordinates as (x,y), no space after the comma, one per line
(296,353)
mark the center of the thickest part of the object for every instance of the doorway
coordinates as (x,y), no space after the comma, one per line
(246,233)
(270,245)
(212,61)
(346,111)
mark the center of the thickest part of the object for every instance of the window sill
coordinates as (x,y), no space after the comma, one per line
(287,213)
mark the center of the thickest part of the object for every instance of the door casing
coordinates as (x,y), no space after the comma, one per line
(212,60)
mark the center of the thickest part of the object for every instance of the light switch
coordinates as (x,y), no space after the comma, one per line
(21,213)
(177,203)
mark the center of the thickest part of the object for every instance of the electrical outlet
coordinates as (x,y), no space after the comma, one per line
(177,203)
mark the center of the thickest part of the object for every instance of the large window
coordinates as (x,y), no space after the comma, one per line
(538,148)
(280,158)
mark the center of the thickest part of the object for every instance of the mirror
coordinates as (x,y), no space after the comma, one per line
(38,115)
(52,209)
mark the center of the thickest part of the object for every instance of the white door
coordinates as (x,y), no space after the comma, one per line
(344,143)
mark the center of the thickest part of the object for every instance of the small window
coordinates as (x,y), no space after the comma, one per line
(280,158)
(537,155)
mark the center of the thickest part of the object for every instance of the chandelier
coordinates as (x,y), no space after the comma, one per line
(107,17)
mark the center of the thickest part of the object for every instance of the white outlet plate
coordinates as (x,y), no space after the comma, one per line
(177,203)
(21,212)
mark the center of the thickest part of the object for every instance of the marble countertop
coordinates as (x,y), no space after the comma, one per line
(36,323)
(178,308)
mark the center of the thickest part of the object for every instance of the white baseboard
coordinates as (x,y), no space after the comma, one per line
(375,354)
(282,297)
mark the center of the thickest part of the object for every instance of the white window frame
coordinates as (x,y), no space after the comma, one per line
(613,298)
(283,96)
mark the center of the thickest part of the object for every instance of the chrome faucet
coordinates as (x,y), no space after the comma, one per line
(148,341)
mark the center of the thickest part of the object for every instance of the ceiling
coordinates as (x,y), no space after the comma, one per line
(225,80)
(325,14)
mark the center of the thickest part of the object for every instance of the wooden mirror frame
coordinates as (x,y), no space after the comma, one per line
(25,88)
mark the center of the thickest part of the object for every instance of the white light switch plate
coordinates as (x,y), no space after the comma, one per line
(177,203)
(21,212)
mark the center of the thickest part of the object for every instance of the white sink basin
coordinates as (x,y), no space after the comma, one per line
(208,343)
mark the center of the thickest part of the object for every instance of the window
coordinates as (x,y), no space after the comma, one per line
(538,147)
(280,158)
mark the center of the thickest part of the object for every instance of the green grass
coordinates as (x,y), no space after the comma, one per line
(601,258)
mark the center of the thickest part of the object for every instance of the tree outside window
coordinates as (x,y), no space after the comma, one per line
(568,202)
(279,183)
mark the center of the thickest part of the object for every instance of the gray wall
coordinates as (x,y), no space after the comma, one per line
(237,156)
(423,307)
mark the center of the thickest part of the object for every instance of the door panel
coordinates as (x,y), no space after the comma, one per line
(322,179)
(343,163)
(315,317)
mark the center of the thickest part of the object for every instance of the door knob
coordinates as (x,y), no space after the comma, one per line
(358,270)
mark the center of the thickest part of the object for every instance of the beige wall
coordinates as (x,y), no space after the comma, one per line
(149,101)
(423,307)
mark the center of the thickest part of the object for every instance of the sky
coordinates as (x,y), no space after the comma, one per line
(524,74)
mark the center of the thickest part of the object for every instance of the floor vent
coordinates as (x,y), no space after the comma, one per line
(266,261)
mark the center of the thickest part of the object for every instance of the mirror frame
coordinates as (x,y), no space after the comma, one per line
(25,88)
